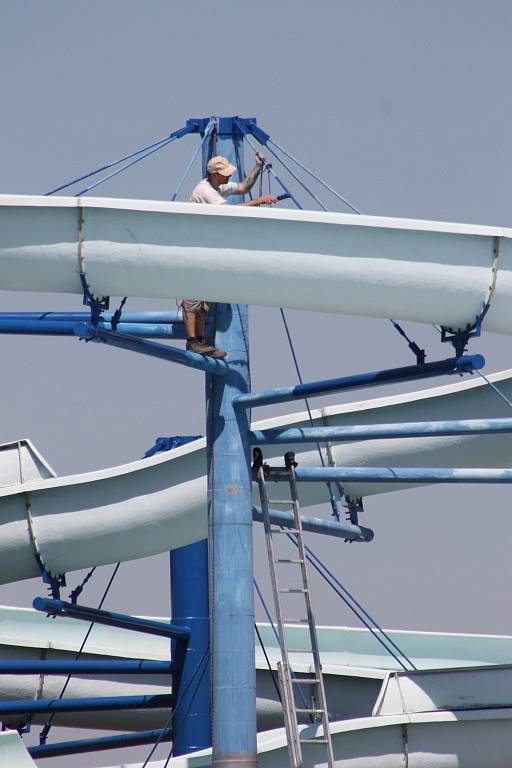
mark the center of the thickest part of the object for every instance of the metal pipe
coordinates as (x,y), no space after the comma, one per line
(104,742)
(90,332)
(342,530)
(36,327)
(81,667)
(395,475)
(230,552)
(285,435)
(464,364)
(89,704)
(172,317)
(84,613)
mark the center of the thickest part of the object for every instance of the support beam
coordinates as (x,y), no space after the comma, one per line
(284,435)
(111,619)
(457,365)
(35,327)
(167,318)
(341,530)
(89,332)
(86,667)
(230,551)
(89,704)
(395,475)
(80,746)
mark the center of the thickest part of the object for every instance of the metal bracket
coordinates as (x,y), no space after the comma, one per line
(54,583)
(289,460)
(460,339)
(96,305)
(258,463)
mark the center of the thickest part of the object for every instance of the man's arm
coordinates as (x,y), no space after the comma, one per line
(246,184)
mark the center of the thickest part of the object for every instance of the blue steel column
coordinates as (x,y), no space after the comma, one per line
(190,607)
(189,602)
(230,552)
(230,529)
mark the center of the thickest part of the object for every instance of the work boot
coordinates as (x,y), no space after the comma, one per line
(199,347)
(218,354)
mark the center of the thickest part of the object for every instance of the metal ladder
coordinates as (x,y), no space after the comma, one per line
(288,682)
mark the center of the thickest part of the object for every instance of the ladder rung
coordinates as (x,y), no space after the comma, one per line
(293,591)
(284,560)
(310,711)
(313,741)
(305,680)
(299,650)
(276,501)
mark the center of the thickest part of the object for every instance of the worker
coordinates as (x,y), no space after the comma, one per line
(213,190)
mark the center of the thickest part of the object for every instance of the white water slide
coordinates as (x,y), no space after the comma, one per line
(429,272)
(159,503)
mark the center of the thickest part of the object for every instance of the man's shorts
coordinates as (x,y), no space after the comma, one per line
(195,305)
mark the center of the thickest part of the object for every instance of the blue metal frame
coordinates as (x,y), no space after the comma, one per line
(454,365)
(88,667)
(88,704)
(395,475)
(67,328)
(89,332)
(341,530)
(80,746)
(277,436)
(180,634)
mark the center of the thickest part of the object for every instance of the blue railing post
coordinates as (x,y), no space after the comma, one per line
(189,607)
(230,551)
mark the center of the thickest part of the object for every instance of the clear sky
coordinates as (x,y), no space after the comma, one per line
(403,105)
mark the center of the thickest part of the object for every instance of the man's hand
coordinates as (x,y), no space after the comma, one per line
(266,200)
(263,200)
(260,159)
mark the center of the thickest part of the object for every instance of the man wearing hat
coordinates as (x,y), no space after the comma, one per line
(213,190)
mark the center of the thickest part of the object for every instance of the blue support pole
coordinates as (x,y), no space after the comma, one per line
(284,435)
(396,475)
(230,551)
(189,606)
(111,619)
(90,332)
(342,529)
(89,704)
(173,317)
(454,365)
(87,667)
(34,327)
(80,746)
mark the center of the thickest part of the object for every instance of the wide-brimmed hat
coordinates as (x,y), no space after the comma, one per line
(220,165)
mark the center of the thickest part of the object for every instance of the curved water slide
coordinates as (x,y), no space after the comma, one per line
(432,272)
(159,503)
